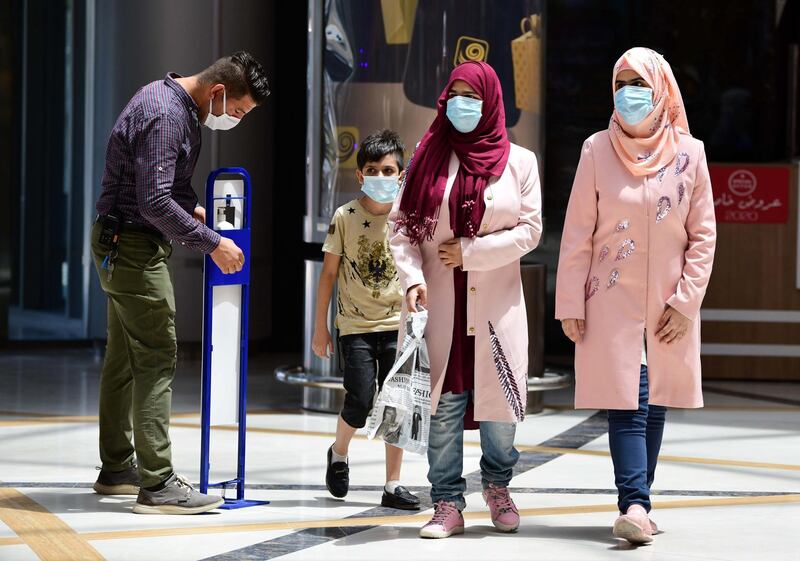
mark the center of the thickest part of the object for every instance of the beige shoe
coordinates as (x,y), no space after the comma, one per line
(634,527)
(177,497)
(125,482)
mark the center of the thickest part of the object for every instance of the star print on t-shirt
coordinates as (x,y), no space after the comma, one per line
(366,223)
(351,210)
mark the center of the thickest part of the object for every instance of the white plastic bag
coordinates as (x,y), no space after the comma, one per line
(402,412)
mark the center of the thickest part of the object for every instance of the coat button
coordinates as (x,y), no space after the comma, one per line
(484,226)
(473,290)
(471,330)
(488,197)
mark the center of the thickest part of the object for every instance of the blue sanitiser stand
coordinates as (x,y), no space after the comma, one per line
(233,208)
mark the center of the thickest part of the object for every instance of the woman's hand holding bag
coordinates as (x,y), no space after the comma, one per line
(416,295)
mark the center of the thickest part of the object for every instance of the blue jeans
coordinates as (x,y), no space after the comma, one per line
(635,440)
(446,451)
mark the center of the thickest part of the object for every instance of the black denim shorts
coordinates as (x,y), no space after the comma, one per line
(367,359)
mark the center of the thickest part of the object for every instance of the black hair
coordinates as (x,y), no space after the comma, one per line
(241,74)
(379,144)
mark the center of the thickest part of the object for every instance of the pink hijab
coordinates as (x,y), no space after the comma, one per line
(647,147)
(483,153)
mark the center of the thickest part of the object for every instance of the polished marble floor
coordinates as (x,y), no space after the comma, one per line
(727,488)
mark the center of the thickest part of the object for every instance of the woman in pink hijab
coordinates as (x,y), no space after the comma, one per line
(636,257)
(469,210)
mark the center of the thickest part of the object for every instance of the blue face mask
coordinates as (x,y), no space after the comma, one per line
(464,112)
(633,103)
(381,189)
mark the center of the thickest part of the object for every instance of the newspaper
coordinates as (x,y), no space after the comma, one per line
(402,412)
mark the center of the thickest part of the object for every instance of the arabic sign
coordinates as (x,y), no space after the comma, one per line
(750,194)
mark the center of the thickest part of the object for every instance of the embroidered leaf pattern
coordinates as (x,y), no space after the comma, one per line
(681,163)
(506,376)
(662,208)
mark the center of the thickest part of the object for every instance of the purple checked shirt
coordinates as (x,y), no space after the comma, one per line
(150,159)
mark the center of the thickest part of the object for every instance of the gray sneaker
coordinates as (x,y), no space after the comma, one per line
(125,482)
(177,497)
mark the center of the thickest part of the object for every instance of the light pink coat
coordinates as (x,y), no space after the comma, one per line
(511,228)
(664,223)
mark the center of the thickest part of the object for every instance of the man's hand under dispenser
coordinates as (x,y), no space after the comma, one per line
(228,257)
(199,214)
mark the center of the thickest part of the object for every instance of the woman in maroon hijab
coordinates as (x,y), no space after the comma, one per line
(468,211)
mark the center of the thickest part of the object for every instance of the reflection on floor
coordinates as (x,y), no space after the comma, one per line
(37,325)
(728,486)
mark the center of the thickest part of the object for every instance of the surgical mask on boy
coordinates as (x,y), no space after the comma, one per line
(381,189)
(464,112)
(220,122)
(633,103)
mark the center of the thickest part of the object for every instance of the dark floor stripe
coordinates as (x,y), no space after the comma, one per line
(574,437)
(752,396)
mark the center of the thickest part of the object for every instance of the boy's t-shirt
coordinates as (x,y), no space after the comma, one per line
(369,294)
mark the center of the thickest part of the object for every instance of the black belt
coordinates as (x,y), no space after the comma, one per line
(128,226)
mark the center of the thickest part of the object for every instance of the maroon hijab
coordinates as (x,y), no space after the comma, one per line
(483,153)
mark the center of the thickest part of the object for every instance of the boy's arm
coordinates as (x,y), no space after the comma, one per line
(327,279)
(322,342)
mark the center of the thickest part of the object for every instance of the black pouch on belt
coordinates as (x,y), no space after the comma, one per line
(109,234)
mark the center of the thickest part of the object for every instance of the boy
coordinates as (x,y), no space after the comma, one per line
(368,307)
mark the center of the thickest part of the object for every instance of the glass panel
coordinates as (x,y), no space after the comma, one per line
(48,269)
(385,64)
(9,146)
(732,80)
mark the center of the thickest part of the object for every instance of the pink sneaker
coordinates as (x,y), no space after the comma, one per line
(505,516)
(634,526)
(446,521)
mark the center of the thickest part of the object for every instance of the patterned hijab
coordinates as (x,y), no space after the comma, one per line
(650,145)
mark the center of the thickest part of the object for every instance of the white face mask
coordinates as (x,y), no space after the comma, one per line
(222,122)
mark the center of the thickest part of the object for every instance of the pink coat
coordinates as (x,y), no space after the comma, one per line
(511,228)
(631,246)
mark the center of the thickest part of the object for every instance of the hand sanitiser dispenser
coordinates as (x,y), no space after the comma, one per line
(225,317)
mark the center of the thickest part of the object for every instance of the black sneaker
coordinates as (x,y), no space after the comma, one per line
(401,498)
(337,477)
(125,482)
